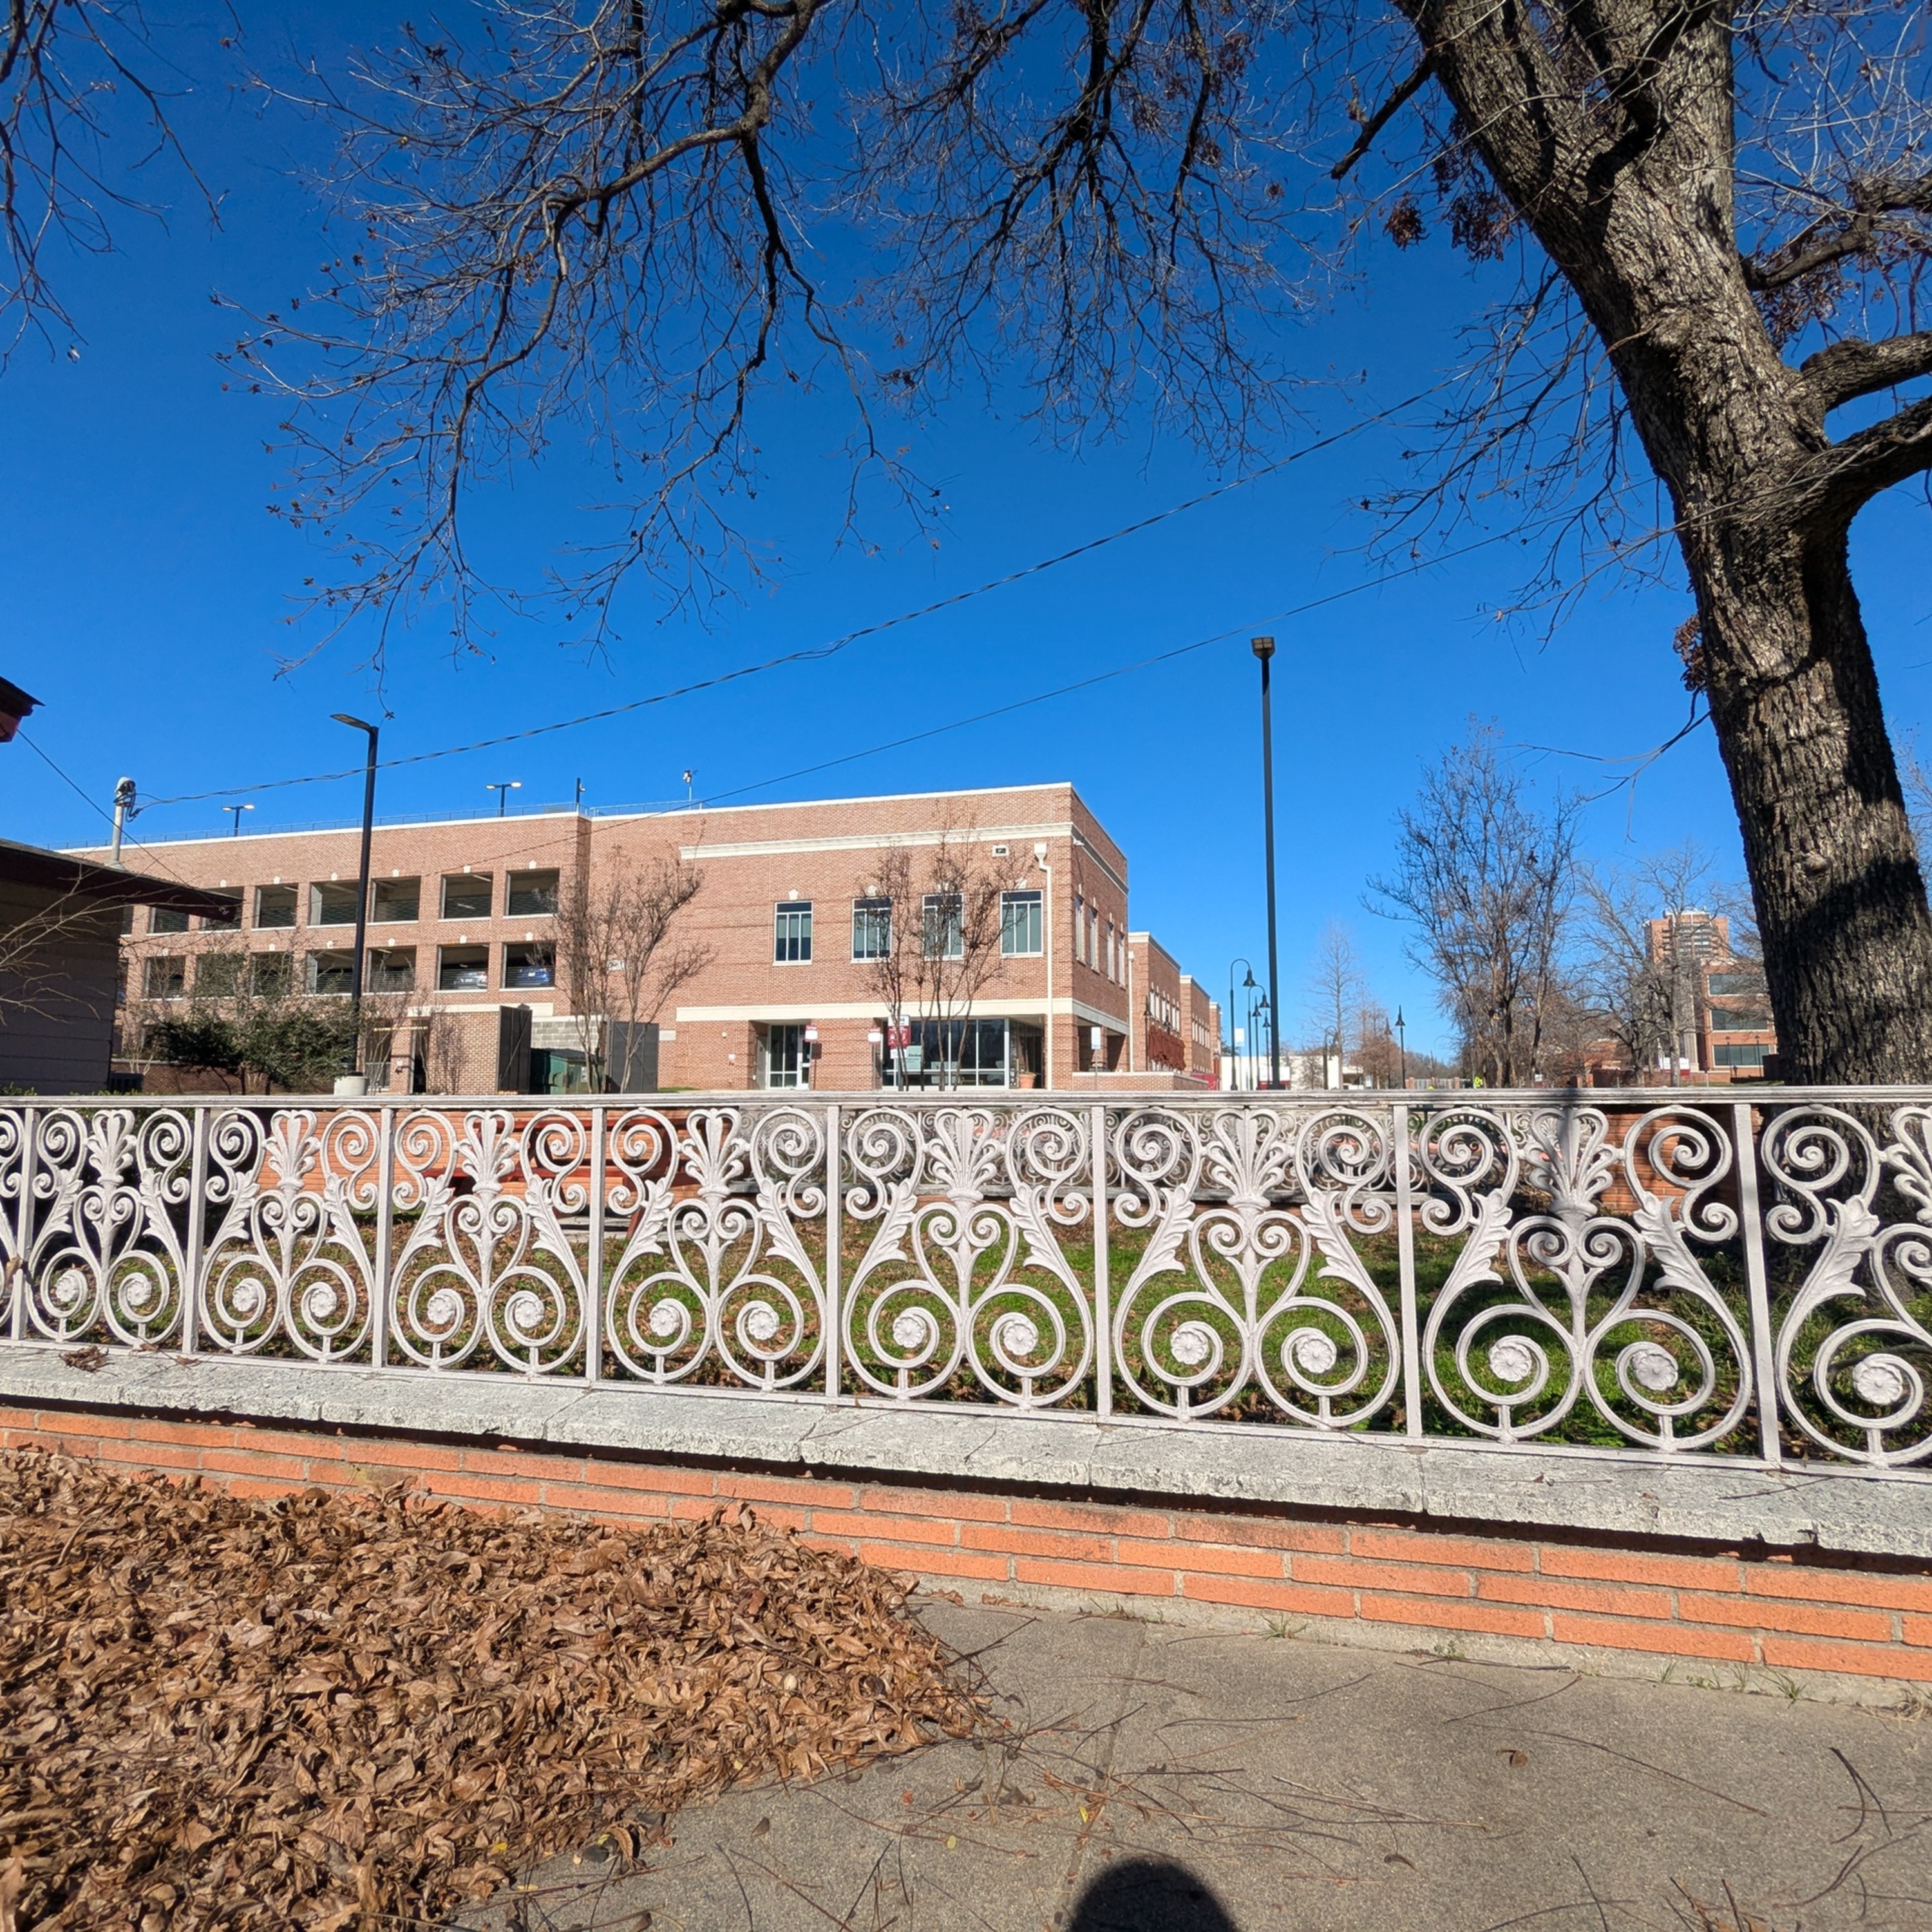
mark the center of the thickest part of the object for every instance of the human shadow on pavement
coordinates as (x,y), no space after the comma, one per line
(1149,1895)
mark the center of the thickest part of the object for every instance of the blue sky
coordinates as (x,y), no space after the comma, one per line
(147,590)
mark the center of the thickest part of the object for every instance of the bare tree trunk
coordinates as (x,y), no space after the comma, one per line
(1834,869)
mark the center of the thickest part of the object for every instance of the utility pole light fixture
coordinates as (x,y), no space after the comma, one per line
(124,810)
(1402,1039)
(356,1081)
(234,812)
(503,791)
(1264,649)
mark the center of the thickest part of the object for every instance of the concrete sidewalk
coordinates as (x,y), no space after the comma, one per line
(1161,1779)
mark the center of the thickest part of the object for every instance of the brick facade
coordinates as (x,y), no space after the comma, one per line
(1652,1598)
(1065,1009)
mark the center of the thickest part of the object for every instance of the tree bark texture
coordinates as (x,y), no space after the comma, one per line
(1628,186)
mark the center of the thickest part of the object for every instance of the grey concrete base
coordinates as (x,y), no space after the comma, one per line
(1726,1502)
(1149,1780)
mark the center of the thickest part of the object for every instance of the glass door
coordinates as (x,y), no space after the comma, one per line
(785,1056)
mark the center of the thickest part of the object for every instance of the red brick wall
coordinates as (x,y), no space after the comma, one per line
(1781,1610)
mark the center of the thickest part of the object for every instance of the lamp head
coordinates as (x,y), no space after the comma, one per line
(1263,647)
(359,725)
(1250,981)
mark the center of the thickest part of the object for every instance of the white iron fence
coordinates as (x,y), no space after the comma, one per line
(1707,1275)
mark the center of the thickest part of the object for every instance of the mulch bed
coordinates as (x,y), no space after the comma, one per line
(342,1711)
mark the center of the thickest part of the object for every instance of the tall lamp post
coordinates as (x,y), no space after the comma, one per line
(1264,649)
(1401,1041)
(503,791)
(1233,1059)
(234,812)
(356,1081)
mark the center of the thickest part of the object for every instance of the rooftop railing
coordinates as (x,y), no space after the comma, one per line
(1704,1275)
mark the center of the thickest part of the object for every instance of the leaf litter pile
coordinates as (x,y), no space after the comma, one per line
(337,1711)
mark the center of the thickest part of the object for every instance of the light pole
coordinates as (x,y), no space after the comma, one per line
(1264,649)
(234,812)
(1039,859)
(1233,1059)
(356,1081)
(1264,1019)
(503,791)
(124,810)
(1401,1041)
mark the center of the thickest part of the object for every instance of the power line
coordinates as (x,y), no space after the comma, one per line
(95,806)
(1119,670)
(816,653)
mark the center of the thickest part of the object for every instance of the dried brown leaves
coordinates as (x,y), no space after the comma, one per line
(335,1711)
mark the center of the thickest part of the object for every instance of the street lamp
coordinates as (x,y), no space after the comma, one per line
(354,1081)
(1264,1019)
(503,791)
(1234,1062)
(1264,649)
(1401,1037)
(234,812)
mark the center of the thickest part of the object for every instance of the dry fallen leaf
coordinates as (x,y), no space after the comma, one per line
(334,1707)
(1516,1759)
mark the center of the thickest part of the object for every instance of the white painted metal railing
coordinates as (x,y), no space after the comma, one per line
(1747,1275)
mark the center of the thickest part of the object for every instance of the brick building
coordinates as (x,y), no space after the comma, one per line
(797,910)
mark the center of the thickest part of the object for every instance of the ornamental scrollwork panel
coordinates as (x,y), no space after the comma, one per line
(1250,1292)
(1854,1308)
(963,1286)
(716,1276)
(1556,1313)
(489,1266)
(288,1264)
(110,1203)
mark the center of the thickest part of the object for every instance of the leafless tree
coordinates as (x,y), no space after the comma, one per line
(937,942)
(1644,994)
(85,99)
(627,221)
(1335,991)
(1487,879)
(620,952)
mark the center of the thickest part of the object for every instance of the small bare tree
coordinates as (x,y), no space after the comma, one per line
(36,962)
(1487,879)
(1335,991)
(620,956)
(1644,994)
(937,941)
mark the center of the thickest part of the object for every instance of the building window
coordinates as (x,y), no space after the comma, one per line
(531,965)
(331,972)
(1079,927)
(218,975)
(1736,985)
(791,941)
(1113,964)
(160,919)
(274,905)
(943,925)
(871,929)
(392,969)
(466,895)
(463,969)
(531,891)
(1021,924)
(269,975)
(333,904)
(1732,1019)
(397,901)
(1727,1055)
(165,976)
(222,922)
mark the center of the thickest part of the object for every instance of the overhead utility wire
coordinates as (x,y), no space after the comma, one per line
(1119,670)
(94,805)
(814,653)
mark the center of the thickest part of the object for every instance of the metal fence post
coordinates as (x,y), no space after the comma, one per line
(386,1186)
(23,1221)
(1764,1362)
(593,1266)
(1103,1321)
(835,1328)
(197,1231)
(1405,1248)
